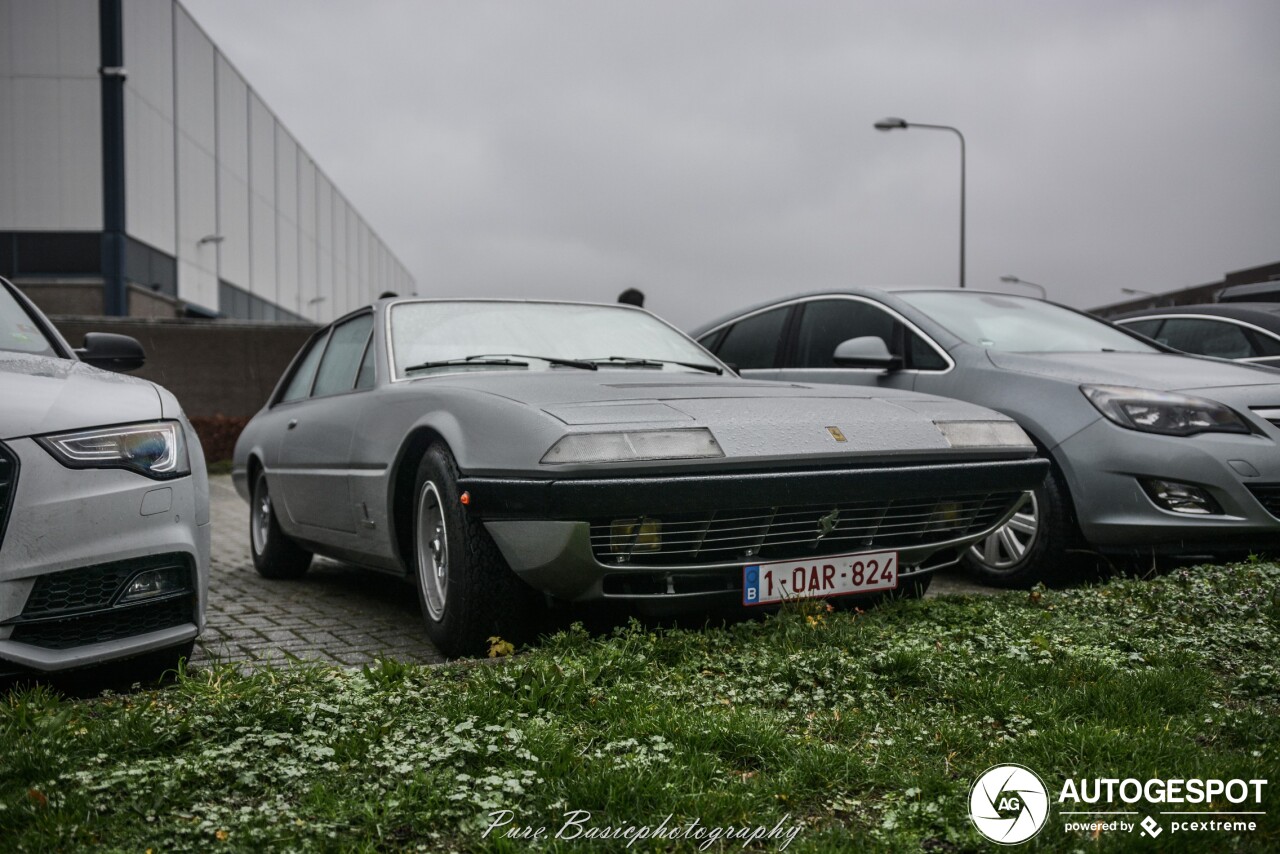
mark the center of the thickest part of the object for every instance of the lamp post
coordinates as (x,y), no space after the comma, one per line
(903,124)
(1014,280)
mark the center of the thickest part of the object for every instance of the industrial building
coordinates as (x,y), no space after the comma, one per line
(141,175)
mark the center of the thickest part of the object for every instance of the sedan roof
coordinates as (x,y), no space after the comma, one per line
(1264,314)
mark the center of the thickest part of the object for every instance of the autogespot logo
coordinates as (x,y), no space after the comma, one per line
(1009,804)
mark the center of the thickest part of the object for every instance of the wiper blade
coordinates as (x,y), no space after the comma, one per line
(470,360)
(639,362)
(553,360)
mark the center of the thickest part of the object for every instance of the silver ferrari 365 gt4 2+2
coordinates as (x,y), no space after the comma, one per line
(504,454)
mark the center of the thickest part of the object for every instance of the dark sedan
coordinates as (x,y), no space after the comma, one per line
(1240,331)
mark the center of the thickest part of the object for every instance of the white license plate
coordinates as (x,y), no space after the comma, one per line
(820,578)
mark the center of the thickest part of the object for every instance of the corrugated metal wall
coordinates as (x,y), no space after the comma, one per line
(204,157)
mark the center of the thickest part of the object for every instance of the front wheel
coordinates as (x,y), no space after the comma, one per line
(1032,547)
(274,554)
(467,592)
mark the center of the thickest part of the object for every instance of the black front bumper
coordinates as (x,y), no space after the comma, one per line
(587,498)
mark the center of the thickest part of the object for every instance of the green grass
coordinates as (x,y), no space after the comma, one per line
(218,466)
(855,726)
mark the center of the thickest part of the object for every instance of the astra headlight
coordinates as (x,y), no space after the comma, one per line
(1163,412)
(984,434)
(634,446)
(157,450)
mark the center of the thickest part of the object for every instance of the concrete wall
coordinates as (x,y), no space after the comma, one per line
(61,296)
(213,367)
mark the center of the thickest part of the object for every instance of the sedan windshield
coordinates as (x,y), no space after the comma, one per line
(18,331)
(1020,324)
(533,336)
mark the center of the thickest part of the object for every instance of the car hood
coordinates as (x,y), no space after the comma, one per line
(45,395)
(1159,371)
(749,419)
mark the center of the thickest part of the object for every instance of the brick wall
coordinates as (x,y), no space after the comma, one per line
(214,367)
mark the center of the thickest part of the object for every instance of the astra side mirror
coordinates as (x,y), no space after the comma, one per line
(868,351)
(112,352)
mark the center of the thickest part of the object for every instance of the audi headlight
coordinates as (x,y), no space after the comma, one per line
(157,450)
(633,446)
(1163,412)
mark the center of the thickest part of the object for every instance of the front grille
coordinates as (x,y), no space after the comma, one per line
(1268,495)
(91,587)
(8,485)
(117,623)
(77,606)
(780,533)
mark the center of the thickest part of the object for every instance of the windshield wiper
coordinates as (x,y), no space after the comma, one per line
(553,360)
(501,359)
(470,360)
(639,362)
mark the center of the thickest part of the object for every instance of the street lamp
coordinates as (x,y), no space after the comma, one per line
(1014,280)
(903,124)
(1135,292)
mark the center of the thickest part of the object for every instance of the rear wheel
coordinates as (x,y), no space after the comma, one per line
(1032,547)
(467,592)
(274,554)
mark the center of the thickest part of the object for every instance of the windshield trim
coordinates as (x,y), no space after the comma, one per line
(390,307)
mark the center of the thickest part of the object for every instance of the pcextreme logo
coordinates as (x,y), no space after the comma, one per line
(1009,804)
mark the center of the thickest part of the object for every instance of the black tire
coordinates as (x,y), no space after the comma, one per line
(274,554)
(1045,532)
(467,591)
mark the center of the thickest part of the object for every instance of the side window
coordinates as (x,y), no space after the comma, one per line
(1148,328)
(1265,345)
(921,356)
(753,343)
(341,362)
(365,378)
(300,383)
(712,341)
(1206,337)
(826,323)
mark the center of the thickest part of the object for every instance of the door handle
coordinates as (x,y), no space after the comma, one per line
(293,423)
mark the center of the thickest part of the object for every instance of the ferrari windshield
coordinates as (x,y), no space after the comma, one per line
(1020,324)
(532,336)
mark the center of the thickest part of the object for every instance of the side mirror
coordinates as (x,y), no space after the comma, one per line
(869,351)
(112,352)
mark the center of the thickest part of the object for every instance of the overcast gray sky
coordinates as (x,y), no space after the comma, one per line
(719,152)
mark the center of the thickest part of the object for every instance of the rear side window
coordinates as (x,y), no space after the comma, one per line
(1148,328)
(1206,337)
(300,383)
(753,342)
(1265,345)
(341,362)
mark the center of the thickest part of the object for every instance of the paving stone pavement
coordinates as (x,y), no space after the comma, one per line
(336,613)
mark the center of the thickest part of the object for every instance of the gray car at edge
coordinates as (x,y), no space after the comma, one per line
(1154,452)
(104,505)
(501,454)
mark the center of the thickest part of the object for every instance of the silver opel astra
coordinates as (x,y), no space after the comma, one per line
(104,505)
(1154,452)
